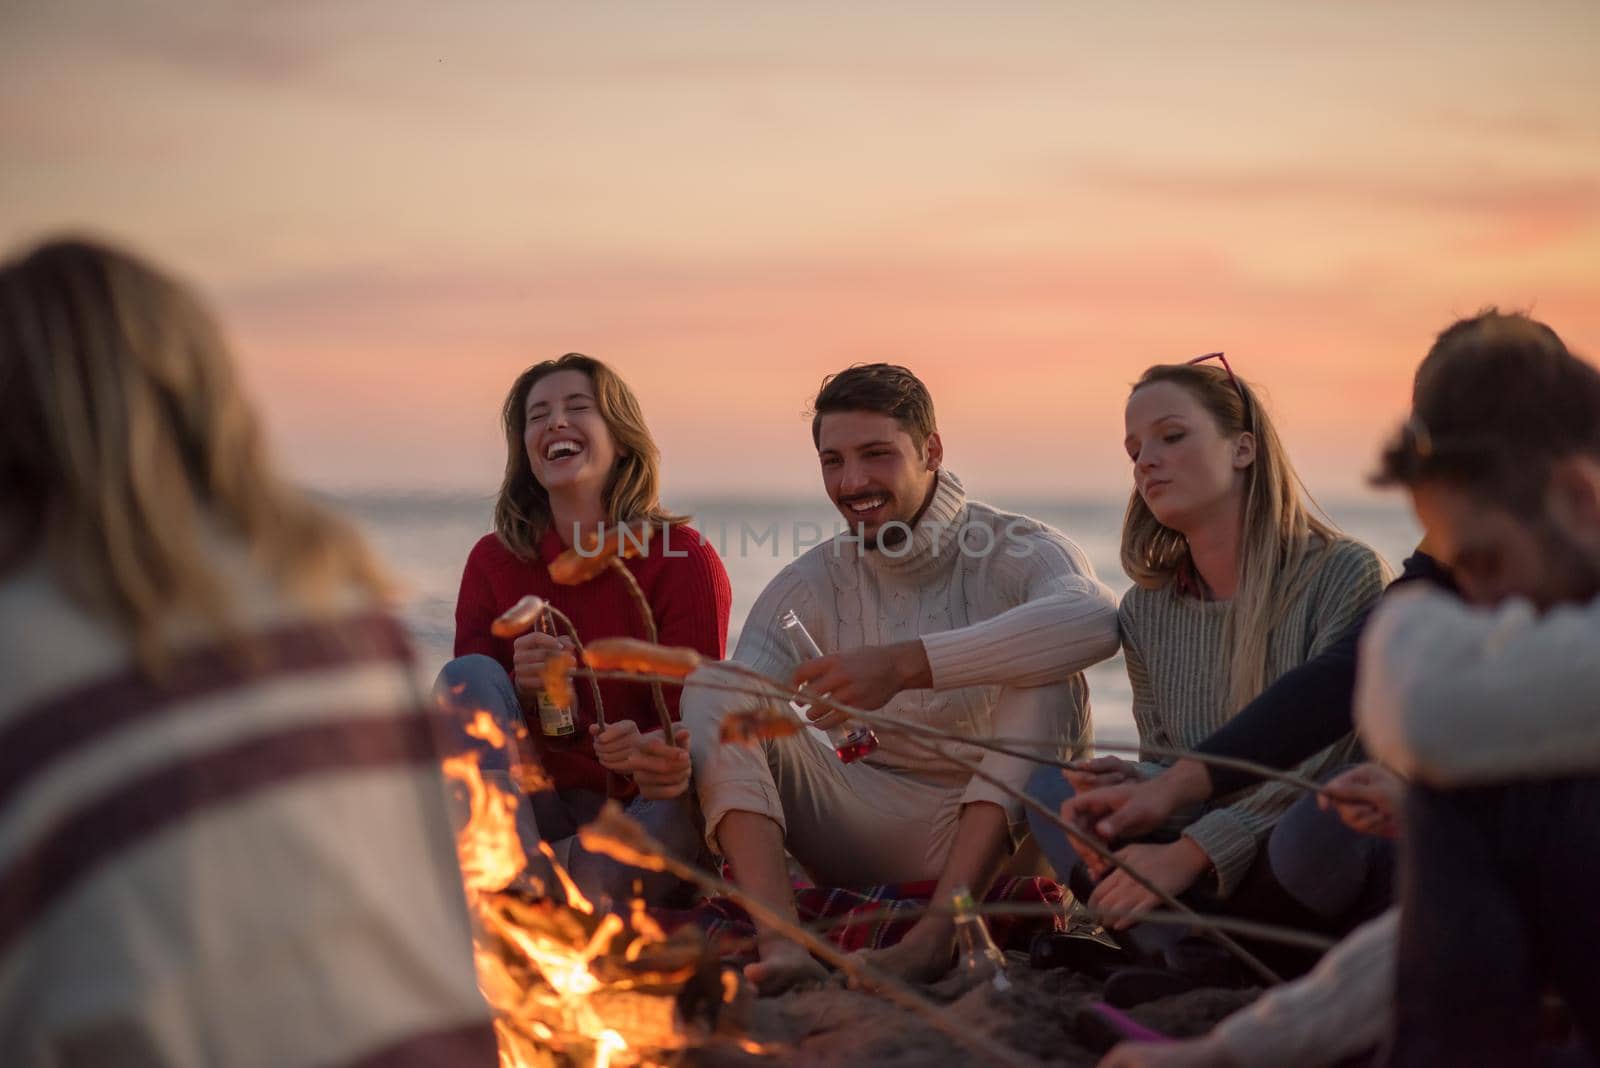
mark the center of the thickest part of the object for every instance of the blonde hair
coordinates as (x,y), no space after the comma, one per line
(633,492)
(124,439)
(1282,540)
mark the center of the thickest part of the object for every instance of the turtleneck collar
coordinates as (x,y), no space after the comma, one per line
(933,539)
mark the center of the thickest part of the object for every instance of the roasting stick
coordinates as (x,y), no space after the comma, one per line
(622,839)
(1265,932)
(767,688)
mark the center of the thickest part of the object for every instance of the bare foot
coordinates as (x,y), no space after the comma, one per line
(785,966)
(923,955)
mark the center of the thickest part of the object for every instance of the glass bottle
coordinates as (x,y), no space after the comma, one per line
(978,957)
(555,721)
(850,744)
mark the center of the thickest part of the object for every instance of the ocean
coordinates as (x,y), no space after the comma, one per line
(424,540)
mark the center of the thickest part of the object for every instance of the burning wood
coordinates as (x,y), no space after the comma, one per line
(645,658)
(568,984)
(573,568)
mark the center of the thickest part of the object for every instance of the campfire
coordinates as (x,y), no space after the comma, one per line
(571,984)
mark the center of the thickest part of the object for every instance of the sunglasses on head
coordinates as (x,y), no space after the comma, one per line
(1233,378)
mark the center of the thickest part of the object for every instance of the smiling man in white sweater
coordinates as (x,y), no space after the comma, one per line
(937,609)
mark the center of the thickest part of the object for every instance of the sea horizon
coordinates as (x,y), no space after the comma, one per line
(423,537)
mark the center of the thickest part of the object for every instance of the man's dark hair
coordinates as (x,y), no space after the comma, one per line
(1495,403)
(885,388)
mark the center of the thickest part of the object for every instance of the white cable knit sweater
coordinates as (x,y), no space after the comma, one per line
(997,599)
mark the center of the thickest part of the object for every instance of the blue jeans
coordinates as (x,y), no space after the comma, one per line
(1498,900)
(1340,878)
(470,683)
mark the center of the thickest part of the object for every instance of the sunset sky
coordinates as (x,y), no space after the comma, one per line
(397,206)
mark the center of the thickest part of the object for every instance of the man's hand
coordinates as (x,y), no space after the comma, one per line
(866,678)
(1368,798)
(1174,868)
(659,769)
(1134,809)
(528,654)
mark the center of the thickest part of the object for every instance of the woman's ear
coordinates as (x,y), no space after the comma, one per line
(1244,451)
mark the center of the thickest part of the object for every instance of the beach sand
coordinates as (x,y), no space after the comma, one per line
(1045,1016)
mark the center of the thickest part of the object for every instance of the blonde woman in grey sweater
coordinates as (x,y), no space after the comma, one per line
(1235,582)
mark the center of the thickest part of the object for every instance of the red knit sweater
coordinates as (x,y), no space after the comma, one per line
(688,591)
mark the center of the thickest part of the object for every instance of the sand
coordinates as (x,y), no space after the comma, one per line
(1044,1016)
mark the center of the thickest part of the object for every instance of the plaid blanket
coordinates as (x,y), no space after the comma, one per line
(869,919)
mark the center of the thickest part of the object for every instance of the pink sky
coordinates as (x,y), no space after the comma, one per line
(398,206)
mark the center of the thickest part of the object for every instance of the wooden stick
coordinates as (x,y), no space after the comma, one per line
(577,644)
(1249,767)
(649,618)
(1266,932)
(891,989)
(1083,836)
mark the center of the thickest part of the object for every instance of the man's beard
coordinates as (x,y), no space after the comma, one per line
(1572,573)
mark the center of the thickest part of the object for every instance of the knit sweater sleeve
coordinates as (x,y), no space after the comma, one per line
(1308,707)
(1451,695)
(1348,582)
(475,607)
(1340,1009)
(1063,619)
(693,604)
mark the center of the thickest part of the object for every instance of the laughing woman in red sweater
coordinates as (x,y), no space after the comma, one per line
(580,461)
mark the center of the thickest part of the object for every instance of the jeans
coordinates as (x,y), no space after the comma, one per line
(1314,872)
(1498,899)
(470,683)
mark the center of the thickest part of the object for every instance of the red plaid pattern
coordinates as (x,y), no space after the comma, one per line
(872,918)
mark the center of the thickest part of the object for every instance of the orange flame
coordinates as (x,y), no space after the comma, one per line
(537,968)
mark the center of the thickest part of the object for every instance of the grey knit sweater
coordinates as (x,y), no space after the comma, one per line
(1174,649)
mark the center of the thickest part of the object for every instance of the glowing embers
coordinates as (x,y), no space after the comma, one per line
(570,983)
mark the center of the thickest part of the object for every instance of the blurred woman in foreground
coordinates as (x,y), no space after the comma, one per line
(222,834)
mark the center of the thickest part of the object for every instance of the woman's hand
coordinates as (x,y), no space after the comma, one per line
(615,745)
(1134,809)
(1086,775)
(528,654)
(1368,799)
(659,769)
(1174,868)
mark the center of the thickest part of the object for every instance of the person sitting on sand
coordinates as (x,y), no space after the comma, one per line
(938,609)
(1463,698)
(1501,458)
(580,462)
(1236,582)
(223,821)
